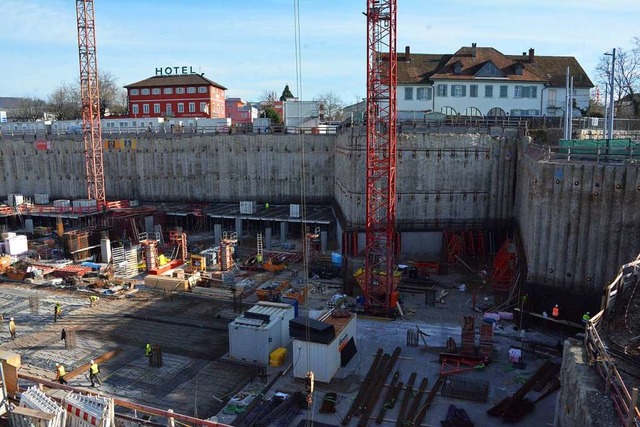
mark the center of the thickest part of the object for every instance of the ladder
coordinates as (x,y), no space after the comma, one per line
(260,255)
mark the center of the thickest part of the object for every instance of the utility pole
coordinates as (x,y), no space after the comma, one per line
(611,90)
(570,131)
(566,106)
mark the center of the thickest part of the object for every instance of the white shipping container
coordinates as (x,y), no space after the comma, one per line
(322,359)
(41,198)
(16,245)
(248,208)
(62,203)
(294,211)
(253,340)
(84,203)
(16,199)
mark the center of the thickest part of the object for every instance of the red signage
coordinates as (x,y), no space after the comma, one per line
(43,145)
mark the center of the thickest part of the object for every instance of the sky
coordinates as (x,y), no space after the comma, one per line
(249,46)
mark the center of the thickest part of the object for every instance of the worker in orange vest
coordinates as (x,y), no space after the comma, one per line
(555,312)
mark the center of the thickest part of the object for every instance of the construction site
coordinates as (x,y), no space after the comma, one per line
(466,274)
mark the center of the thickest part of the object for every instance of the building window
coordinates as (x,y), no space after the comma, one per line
(134,109)
(191,89)
(458,91)
(504,91)
(202,89)
(179,90)
(488,91)
(155,91)
(123,124)
(442,90)
(181,107)
(192,107)
(408,93)
(135,92)
(533,112)
(473,91)
(203,107)
(526,92)
(156,108)
(145,91)
(423,94)
(516,112)
(145,109)
(168,90)
(168,109)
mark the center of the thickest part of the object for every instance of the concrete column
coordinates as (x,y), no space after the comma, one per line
(239,227)
(105,250)
(217,233)
(283,231)
(323,241)
(267,238)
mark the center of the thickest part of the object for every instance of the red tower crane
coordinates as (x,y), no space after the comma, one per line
(379,281)
(90,94)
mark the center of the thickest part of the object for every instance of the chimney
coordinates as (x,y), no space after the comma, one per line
(473,50)
(407,54)
(531,55)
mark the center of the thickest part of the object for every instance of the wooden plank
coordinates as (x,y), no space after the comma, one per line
(100,359)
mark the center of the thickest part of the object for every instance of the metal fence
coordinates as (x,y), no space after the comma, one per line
(586,153)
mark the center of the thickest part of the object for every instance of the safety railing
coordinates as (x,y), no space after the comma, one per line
(586,153)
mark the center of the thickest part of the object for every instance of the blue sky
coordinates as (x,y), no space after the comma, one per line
(248,46)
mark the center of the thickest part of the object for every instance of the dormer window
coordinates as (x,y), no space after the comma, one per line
(457,68)
(518,69)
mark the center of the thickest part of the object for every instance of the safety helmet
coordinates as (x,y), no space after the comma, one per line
(588,312)
(556,305)
(11,318)
(57,364)
(92,362)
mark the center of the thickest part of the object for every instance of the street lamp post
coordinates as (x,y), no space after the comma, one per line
(611,90)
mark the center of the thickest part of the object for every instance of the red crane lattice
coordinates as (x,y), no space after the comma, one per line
(379,283)
(90,94)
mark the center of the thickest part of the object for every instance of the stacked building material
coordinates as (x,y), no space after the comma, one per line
(34,398)
(486,341)
(150,254)
(248,207)
(468,335)
(88,411)
(72,271)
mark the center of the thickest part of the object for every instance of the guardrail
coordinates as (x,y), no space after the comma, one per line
(586,153)
(625,403)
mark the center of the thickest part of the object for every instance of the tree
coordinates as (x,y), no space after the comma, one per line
(28,110)
(626,77)
(332,103)
(271,113)
(66,103)
(286,94)
(269,97)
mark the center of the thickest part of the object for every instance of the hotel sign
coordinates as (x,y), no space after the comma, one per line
(174,71)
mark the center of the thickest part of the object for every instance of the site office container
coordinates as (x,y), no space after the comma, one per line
(253,340)
(323,360)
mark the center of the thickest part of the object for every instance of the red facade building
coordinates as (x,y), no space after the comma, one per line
(187,95)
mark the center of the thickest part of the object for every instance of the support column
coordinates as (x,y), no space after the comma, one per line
(239,227)
(267,238)
(323,241)
(217,234)
(284,226)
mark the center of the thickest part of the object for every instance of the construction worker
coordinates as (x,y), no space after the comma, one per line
(555,313)
(148,352)
(12,328)
(94,373)
(93,300)
(57,312)
(586,317)
(60,373)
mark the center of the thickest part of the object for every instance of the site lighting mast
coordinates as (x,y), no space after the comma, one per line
(381,155)
(90,94)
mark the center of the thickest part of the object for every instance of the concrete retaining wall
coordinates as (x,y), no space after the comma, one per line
(191,168)
(578,221)
(443,180)
(582,400)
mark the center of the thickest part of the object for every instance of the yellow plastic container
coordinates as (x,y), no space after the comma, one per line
(278,356)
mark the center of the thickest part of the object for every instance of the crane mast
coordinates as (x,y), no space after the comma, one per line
(379,282)
(90,95)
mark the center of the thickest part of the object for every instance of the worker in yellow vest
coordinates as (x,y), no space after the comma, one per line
(94,373)
(60,373)
(586,317)
(555,313)
(148,352)
(93,300)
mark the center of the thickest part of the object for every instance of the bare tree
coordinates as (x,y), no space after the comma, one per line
(28,110)
(332,103)
(64,102)
(626,77)
(269,97)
